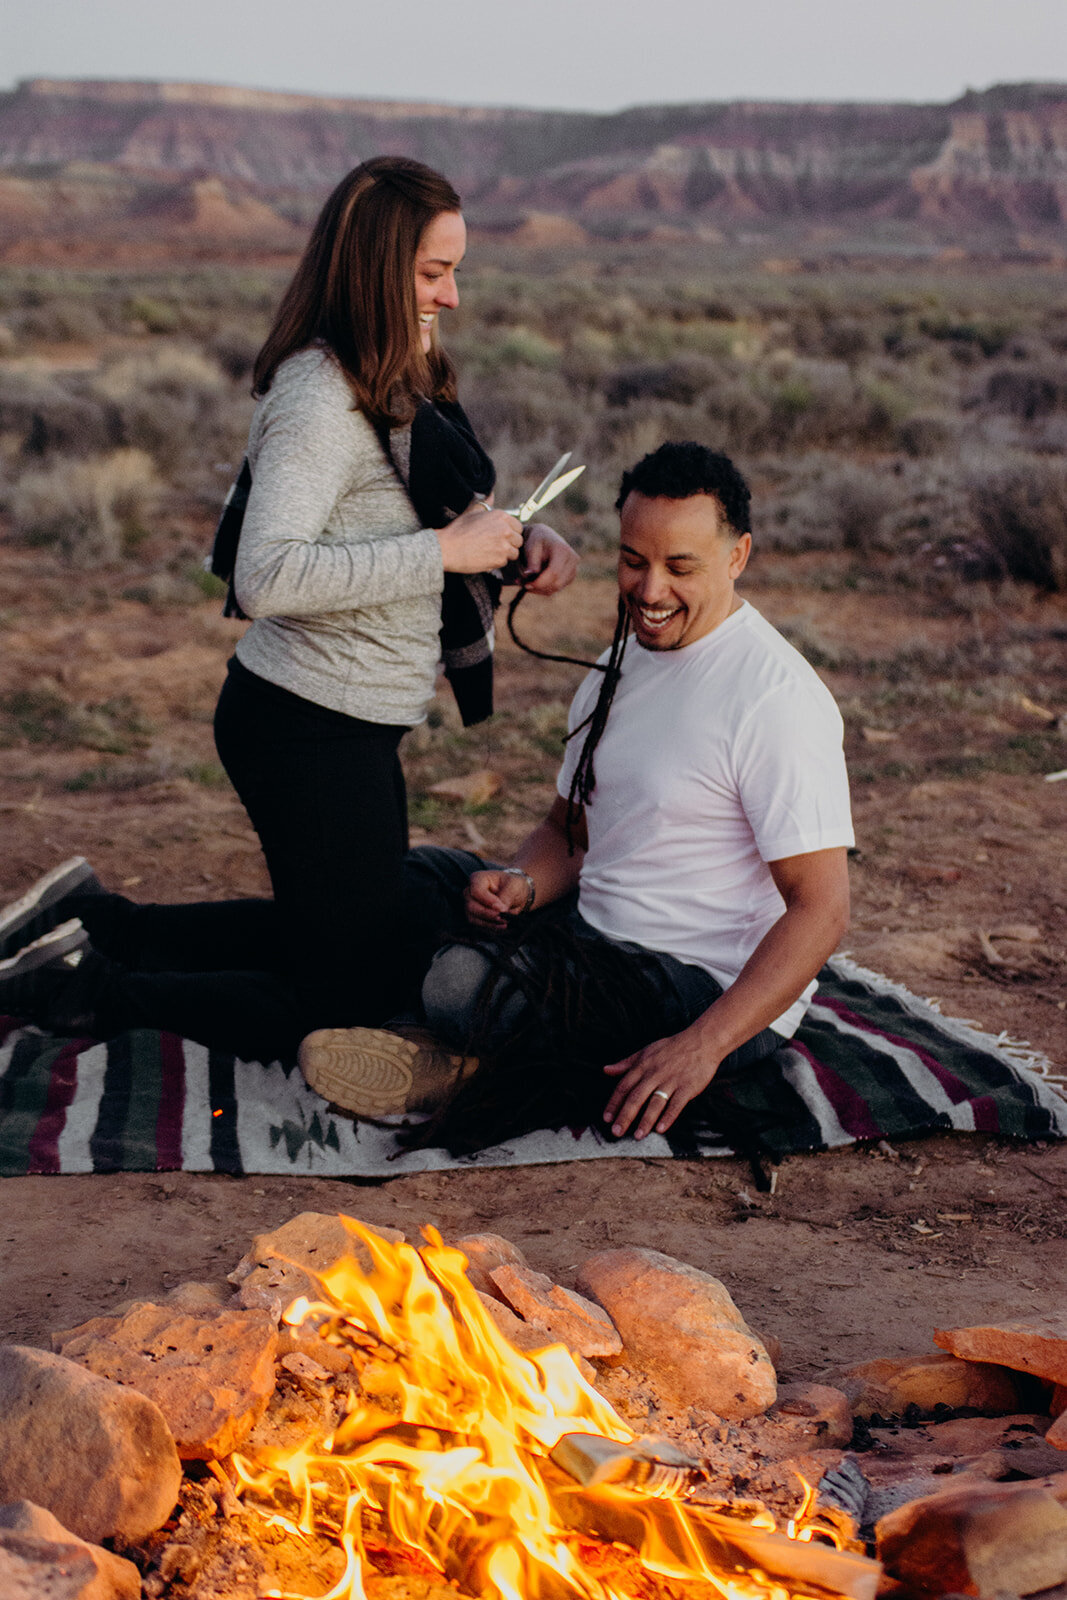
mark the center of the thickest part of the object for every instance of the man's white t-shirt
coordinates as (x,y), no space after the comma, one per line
(716,759)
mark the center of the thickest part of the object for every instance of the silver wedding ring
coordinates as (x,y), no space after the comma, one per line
(661,1092)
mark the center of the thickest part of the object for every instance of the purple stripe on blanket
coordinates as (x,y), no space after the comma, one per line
(850,1108)
(955,1089)
(43,1145)
(986,1119)
(171,1103)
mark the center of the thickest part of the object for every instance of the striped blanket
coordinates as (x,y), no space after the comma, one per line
(871,1061)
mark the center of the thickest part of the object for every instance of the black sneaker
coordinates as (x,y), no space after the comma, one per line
(41,908)
(33,982)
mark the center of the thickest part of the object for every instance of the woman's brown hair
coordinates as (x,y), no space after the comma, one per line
(355,290)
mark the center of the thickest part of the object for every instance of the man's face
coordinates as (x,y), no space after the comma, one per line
(678,562)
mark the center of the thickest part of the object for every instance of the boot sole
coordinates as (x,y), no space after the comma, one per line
(54,886)
(375,1073)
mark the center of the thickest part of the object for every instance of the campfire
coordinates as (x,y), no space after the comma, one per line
(369,1420)
(495,1467)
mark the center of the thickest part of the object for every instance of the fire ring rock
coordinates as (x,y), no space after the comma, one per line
(99,1457)
(681,1328)
(210,1375)
(39,1556)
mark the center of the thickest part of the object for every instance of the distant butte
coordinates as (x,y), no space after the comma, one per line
(87,166)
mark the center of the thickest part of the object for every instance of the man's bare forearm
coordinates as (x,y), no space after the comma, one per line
(545,854)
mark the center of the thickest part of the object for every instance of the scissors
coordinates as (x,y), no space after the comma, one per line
(552,484)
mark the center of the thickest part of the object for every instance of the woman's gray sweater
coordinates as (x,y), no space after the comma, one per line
(343,586)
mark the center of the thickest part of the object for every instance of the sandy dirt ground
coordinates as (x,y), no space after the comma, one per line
(960,891)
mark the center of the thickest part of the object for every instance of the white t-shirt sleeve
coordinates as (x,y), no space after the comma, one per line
(790,773)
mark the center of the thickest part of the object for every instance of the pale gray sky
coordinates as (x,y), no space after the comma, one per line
(596,54)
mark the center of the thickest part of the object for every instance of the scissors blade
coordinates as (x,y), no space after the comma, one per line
(552,491)
(529,506)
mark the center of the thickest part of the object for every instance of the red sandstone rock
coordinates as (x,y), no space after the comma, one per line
(810,1416)
(1057,1434)
(1039,1346)
(299,1341)
(996,1539)
(887,1387)
(210,1375)
(290,1261)
(22,1522)
(528,1336)
(38,1569)
(681,1327)
(99,1457)
(484,1252)
(569,1318)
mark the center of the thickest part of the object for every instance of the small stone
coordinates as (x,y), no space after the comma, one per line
(115,1578)
(992,1539)
(1039,1346)
(194,1297)
(811,1415)
(890,1385)
(211,1375)
(291,1261)
(485,1252)
(569,1317)
(336,1358)
(1057,1434)
(470,789)
(98,1456)
(681,1328)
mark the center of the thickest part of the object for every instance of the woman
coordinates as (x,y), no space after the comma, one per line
(356,569)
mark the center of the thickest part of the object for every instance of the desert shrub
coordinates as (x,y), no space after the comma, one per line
(1025,391)
(681,380)
(926,434)
(1021,516)
(49,416)
(92,509)
(858,501)
(235,348)
(157,316)
(173,402)
(59,321)
(41,714)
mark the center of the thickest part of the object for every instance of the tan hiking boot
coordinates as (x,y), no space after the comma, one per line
(378,1072)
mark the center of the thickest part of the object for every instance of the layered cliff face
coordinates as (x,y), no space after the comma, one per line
(238,164)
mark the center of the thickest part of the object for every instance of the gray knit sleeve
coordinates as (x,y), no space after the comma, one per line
(328,528)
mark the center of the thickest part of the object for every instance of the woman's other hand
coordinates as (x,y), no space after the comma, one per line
(493,897)
(480,540)
(549,564)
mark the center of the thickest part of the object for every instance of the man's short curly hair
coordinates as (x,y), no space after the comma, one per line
(679,471)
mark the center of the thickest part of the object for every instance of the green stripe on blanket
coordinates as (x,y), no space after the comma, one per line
(871,1061)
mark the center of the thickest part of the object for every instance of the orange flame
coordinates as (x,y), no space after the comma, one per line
(448,1440)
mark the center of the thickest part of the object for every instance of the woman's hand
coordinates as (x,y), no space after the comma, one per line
(480,540)
(548,564)
(493,897)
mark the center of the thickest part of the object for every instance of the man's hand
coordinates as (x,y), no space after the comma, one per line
(549,564)
(493,897)
(656,1082)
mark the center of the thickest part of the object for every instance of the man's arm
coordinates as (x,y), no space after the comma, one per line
(815,890)
(494,896)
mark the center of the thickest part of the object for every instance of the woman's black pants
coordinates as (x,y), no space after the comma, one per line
(325,793)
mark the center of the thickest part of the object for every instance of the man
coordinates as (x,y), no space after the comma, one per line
(694,858)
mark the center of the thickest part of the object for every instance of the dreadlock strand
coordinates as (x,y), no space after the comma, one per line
(583,782)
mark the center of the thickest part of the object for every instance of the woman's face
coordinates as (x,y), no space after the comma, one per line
(441,249)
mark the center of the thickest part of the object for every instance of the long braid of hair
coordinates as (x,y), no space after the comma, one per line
(584,781)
